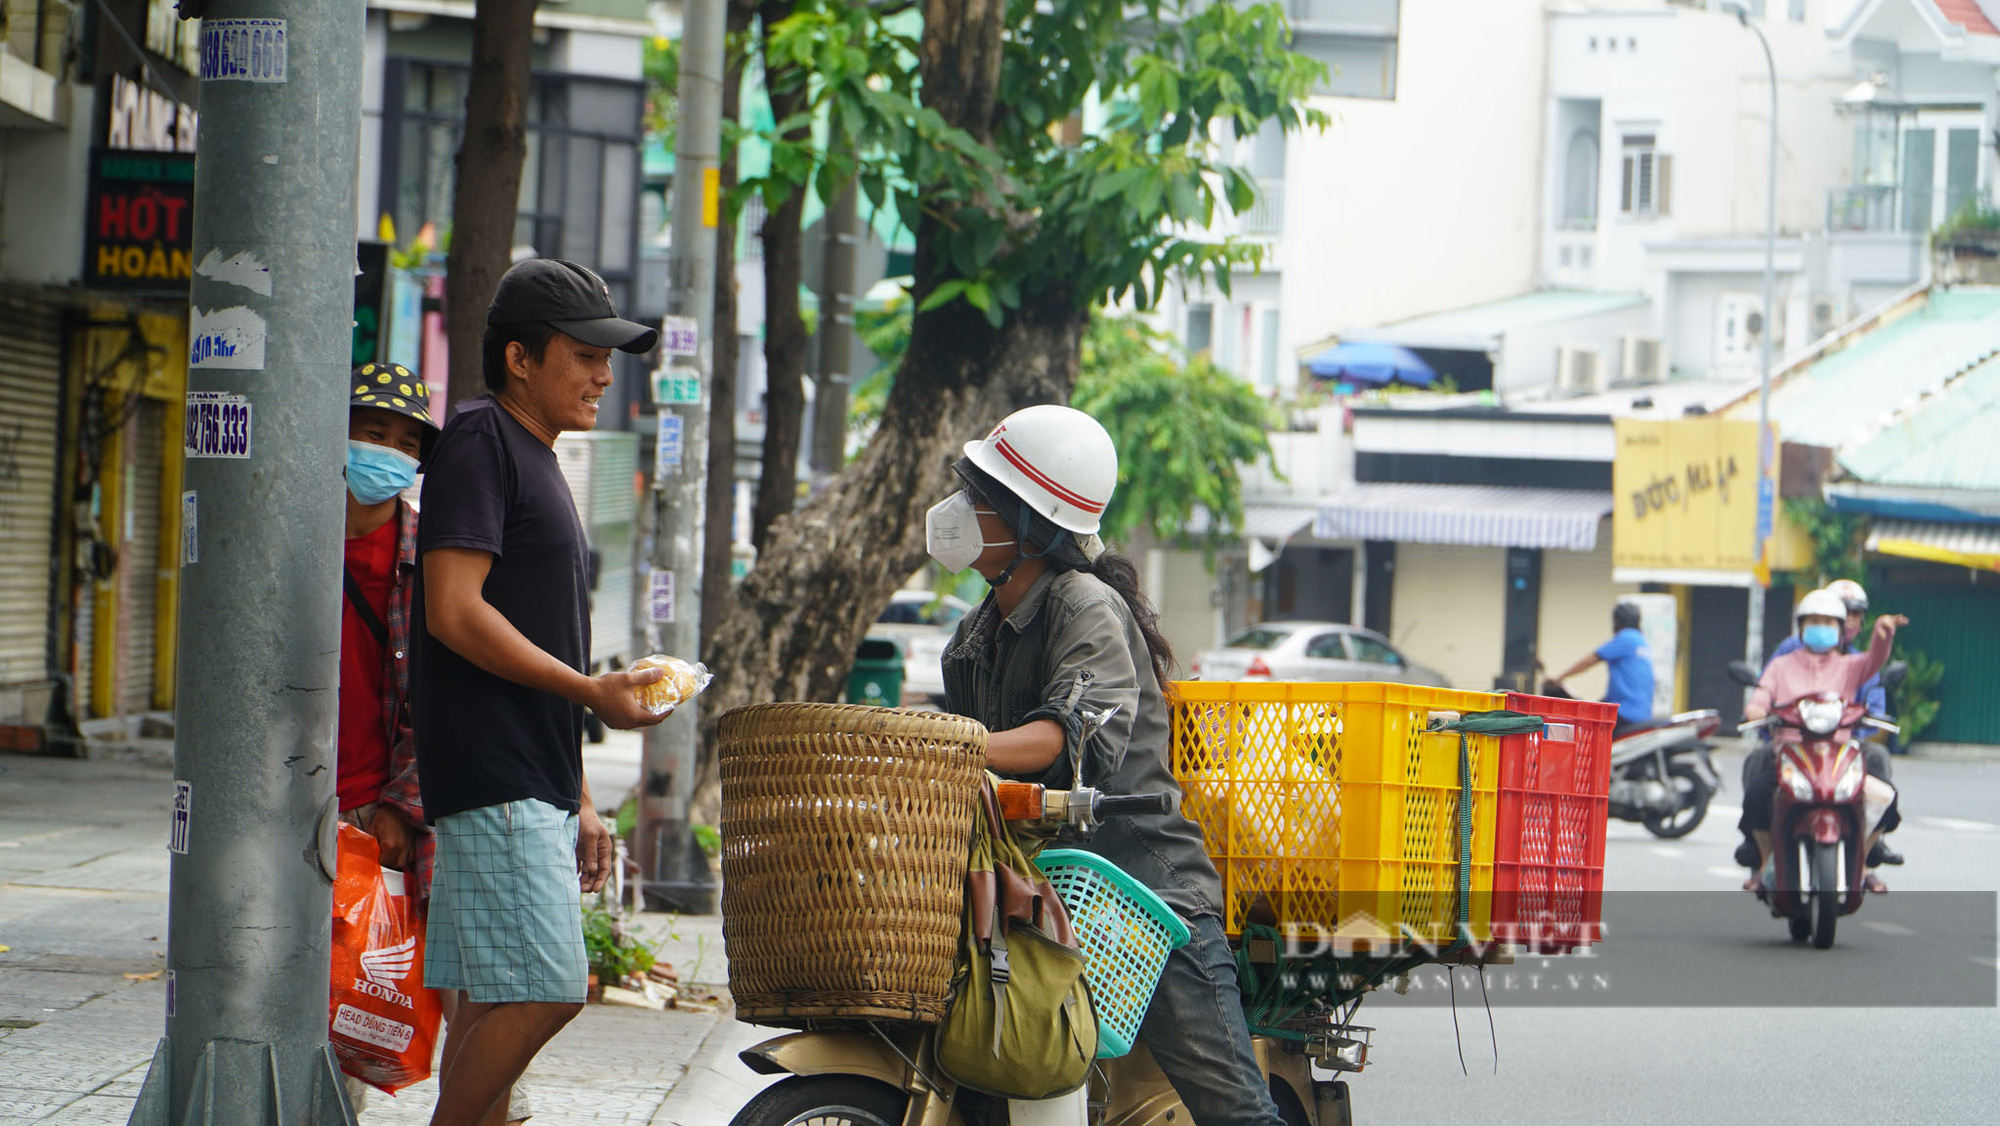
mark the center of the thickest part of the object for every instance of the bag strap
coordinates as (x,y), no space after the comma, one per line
(362,609)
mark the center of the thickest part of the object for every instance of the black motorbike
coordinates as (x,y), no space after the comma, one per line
(1661,772)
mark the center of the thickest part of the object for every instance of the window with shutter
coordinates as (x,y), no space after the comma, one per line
(1643,189)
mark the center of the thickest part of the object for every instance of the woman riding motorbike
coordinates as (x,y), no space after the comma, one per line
(1816,666)
(1064,663)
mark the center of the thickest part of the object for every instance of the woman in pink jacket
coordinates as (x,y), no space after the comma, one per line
(1818,667)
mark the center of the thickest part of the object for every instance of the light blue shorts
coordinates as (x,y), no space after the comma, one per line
(506,916)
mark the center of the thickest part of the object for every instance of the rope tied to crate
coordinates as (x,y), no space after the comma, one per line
(1500,722)
(1275,995)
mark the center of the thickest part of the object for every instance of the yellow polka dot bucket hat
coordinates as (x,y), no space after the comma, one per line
(394,388)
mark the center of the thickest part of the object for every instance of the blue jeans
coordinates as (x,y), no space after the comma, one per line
(1196,1032)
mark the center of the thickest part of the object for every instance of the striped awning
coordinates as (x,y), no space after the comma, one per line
(1965,545)
(1477,515)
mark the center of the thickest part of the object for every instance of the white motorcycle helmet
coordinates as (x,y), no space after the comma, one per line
(1819,603)
(1058,460)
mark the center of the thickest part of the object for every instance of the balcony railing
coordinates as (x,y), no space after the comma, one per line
(1863,208)
(1267,215)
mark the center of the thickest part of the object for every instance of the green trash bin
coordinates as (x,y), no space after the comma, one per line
(878,673)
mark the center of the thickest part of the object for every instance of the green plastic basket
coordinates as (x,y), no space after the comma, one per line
(1125,933)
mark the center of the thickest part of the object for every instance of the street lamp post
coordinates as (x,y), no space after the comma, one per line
(1753,641)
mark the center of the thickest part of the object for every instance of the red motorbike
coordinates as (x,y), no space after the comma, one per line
(1822,814)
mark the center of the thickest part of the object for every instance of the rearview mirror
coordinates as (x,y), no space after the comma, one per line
(1742,673)
(1893,673)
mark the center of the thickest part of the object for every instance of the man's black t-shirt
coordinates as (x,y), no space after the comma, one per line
(492,486)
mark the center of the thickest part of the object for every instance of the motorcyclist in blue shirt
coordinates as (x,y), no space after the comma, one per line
(1629,668)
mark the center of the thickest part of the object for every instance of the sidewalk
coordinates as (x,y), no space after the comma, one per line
(83,918)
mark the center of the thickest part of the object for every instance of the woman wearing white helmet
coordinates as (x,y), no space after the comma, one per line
(1065,664)
(1817,666)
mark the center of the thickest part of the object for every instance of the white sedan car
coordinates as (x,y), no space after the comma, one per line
(1323,651)
(922,622)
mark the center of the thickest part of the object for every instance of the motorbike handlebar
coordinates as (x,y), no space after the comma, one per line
(1122,805)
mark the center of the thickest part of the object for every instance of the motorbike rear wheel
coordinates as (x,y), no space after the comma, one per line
(1692,807)
(1825,893)
(824,1100)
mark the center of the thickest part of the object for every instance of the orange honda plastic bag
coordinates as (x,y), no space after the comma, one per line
(384,1024)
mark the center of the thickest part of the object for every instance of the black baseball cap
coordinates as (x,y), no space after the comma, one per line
(569,298)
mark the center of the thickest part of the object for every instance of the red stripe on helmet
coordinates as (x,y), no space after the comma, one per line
(1044,480)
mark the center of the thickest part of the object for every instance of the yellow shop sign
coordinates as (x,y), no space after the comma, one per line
(1685,494)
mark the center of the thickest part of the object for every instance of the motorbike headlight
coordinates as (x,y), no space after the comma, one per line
(1796,781)
(1821,717)
(1851,777)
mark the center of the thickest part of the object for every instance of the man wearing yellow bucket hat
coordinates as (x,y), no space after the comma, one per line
(1065,664)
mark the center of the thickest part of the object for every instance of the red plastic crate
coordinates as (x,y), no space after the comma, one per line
(1548,860)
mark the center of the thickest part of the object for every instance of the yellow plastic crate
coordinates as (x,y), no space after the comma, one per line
(1330,810)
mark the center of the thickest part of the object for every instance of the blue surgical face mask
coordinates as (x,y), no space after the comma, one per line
(1820,638)
(376,473)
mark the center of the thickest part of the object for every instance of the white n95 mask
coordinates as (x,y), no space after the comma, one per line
(952,535)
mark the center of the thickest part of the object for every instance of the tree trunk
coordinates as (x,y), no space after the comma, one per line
(784,327)
(828,568)
(484,201)
(721,496)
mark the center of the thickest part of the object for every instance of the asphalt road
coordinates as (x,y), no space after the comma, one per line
(1707,1013)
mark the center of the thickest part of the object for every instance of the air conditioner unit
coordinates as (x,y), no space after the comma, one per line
(1825,314)
(1579,370)
(1645,361)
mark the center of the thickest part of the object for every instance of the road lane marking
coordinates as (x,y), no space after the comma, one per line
(1896,929)
(1728,873)
(1669,850)
(1954,825)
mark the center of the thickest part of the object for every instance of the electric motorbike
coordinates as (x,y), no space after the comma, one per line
(1661,773)
(1824,811)
(885,1073)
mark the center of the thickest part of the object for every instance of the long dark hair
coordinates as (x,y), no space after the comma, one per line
(1060,547)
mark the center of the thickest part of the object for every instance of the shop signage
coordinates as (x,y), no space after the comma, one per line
(1686,494)
(139,220)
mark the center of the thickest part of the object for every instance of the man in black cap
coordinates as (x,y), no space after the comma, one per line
(500,688)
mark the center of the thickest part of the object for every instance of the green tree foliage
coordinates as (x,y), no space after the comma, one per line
(1835,538)
(663,82)
(1182,429)
(1914,701)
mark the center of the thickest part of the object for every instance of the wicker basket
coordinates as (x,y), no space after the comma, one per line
(845,831)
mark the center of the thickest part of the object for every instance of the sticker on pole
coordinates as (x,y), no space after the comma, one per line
(218,425)
(680,336)
(676,386)
(660,596)
(173,991)
(669,450)
(226,338)
(243,50)
(190,544)
(177,838)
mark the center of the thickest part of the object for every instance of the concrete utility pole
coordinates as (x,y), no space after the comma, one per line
(836,333)
(1753,634)
(673,867)
(250,896)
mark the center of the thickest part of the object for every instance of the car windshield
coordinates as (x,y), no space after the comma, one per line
(1260,637)
(921,612)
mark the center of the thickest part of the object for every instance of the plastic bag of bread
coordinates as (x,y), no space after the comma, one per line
(683,682)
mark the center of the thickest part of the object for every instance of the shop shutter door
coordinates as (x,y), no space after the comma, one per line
(139,562)
(1960,626)
(30,390)
(1450,609)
